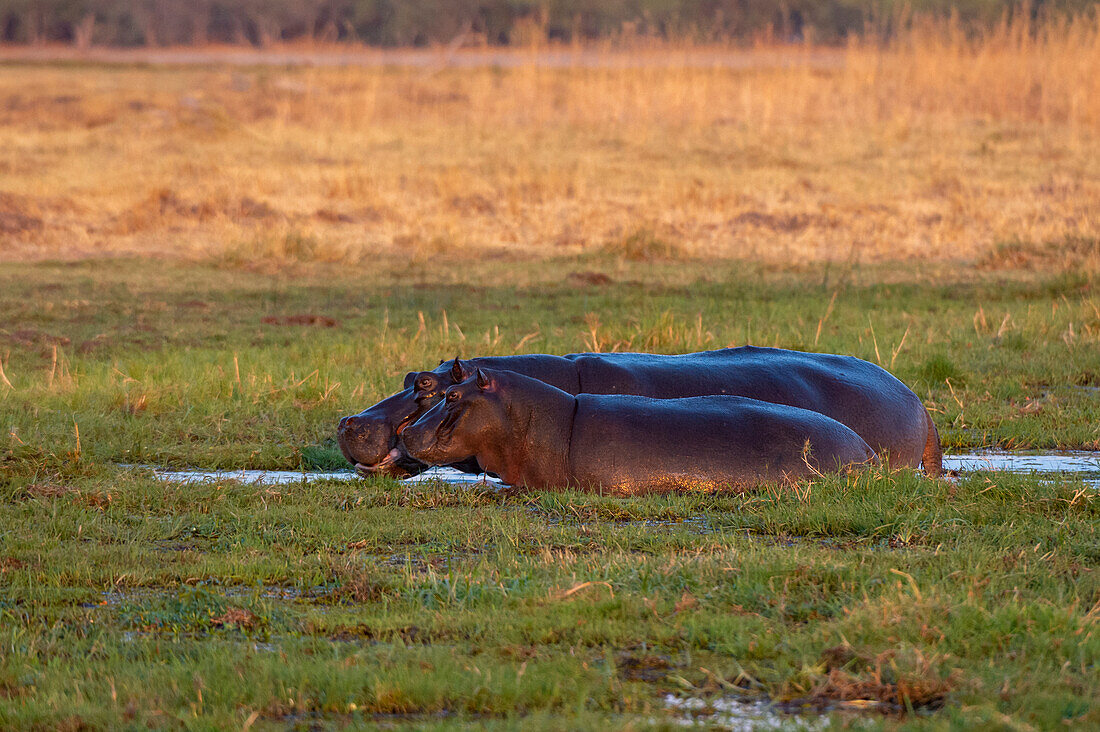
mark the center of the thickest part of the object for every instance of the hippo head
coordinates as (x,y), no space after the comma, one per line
(369,440)
(469,415)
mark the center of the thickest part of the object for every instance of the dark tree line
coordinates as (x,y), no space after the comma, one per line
(495,22)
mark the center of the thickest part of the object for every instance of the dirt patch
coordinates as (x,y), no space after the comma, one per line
(787,223)
(648,668)
(94,344)
(858,680)
(161,204)
(355,585)
(333,217)
(590,278)
(32,338)
(475,203)
(53,491)
(235,617)
(195,305)
(322,321)
(10,564)
(367,214)
(1075,253)
(409,634)
(899,696)
(47,490)
(18,215)
(12,690)
(249,208)
(166,206)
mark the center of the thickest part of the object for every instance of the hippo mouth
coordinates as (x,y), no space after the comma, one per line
(381,466)
(385,464)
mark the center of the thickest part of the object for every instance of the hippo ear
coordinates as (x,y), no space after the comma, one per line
(483,380)
(456,371)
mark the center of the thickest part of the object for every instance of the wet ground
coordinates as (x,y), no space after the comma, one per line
(1077,463)
(737,715)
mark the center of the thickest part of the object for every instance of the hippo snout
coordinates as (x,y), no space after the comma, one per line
(363,440)
(351,430)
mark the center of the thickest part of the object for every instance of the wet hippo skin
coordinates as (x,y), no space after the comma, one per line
(856,393)
(534,435)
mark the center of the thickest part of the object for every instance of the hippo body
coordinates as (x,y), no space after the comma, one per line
(856,393)
(536,436)
(865,397)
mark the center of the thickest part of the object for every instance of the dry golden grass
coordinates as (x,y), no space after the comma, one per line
(939,147)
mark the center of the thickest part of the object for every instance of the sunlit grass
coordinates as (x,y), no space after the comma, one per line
(938,146)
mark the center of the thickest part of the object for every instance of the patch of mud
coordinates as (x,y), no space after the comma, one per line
(649,667)
(322,321)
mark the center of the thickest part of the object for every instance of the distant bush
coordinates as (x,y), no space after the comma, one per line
(491,22)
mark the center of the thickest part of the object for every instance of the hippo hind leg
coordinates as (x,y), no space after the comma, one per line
(932,459)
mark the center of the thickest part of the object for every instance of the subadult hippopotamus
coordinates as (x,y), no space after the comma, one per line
(537,436)
(863,396)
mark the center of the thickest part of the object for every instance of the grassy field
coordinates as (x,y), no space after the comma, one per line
(207,267)
(129,601)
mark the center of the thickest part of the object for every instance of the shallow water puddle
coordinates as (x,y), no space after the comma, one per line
(1077,462)
(284,477)
(734,714)
(1070,461)
(1073,463)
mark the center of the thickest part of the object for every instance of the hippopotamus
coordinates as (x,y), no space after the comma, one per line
(535,435)
(856,393)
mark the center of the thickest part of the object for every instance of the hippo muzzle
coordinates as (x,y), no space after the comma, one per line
(370,443)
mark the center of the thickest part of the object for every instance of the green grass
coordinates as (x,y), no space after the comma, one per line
(125,601)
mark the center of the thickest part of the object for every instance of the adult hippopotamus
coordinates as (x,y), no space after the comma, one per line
(537,436)
(856,393)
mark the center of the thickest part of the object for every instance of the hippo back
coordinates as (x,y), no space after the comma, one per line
(863,396)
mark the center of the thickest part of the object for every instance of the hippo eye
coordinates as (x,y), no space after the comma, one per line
(452,396)
(424,384)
